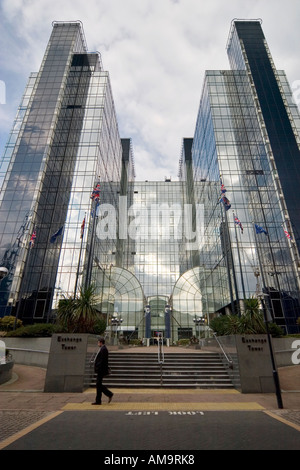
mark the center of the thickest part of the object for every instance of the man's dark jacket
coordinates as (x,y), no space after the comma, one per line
(101,361)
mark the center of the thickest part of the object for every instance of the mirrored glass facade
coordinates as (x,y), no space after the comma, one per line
(144,259)
(161,254)
(65,136)
(248,141)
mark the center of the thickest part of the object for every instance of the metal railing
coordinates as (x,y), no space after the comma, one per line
(161,354)
(228,359)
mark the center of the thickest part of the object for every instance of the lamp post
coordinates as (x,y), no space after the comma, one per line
(274,369)
(198,322)
(168,313)
(115,322)
(147,312)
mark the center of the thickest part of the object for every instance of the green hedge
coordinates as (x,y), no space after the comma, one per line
(234,325)
(183,342)
(37,330)
(7,323)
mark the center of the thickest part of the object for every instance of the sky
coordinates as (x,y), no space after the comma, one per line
(156,53)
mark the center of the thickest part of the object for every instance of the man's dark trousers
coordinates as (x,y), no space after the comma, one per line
(101,389)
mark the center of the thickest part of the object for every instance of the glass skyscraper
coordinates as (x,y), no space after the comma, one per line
(247,138)
(159,253)
(65,136)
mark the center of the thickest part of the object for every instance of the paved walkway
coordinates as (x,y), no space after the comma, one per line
(24,405)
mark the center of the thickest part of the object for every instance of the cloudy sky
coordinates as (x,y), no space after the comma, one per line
(156,52)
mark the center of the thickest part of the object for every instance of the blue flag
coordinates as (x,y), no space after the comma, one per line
(56,234)
(260,229)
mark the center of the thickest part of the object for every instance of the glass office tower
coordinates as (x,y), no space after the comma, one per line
(65,138)
(161,254)
(247,139)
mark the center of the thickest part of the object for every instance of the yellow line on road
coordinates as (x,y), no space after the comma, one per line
(283,420)
(142,406)
(28,429)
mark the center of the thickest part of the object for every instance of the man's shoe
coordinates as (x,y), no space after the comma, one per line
(110,398)
(96,403)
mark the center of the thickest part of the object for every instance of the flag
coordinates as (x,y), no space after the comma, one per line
(56,234)
(238,222)
(226,202)
(223,189)
(96,193)
(82,228)
(260,229)
(32,239)
(287,234)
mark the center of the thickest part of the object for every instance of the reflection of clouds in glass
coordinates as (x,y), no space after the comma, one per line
(187,297)
(124,291)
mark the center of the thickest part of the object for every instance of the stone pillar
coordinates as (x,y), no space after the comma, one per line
(255,364)
(66,364)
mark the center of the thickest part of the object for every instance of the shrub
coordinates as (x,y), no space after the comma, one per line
(183,342)
(35,331)
(100,326)
(7,323)
(225,325)
(79,315)
(251,322)
(135,342)
(275,330)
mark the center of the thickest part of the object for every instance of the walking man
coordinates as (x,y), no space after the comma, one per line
(101,369)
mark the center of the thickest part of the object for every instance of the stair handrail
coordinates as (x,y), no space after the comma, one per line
(229,360)
(161,355)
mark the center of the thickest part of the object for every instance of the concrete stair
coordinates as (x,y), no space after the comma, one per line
(178,370)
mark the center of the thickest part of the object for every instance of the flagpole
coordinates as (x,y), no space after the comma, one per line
(233,268)
(91,252)
(292,246)
(228,252)
(79,261)
(261,268)
(239,258)
(21,291)
(229,248)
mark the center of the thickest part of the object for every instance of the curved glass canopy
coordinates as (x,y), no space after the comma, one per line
(187,297)
(121,295)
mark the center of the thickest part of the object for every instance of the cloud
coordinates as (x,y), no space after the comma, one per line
(156,53)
